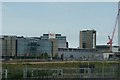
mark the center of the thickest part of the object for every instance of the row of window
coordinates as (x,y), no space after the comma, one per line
(77,50)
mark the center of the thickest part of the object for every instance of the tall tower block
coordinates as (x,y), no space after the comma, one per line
(87,39)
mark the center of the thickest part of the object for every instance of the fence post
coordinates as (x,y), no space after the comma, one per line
(6,71)
(24,73)
(32,73)
(103,71)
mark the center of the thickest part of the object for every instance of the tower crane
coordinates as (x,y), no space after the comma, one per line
(112,37)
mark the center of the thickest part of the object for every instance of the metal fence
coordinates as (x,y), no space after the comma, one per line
(107,72)
(82,73)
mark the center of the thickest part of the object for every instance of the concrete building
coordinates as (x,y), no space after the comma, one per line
(54,47)
(102,48)
(62,43)
(21,46)
(28,46)
(9,46)
(34,46)
(87,39)
(79,54)
(56,41)
(99,53)
(119,26)
(45,47)
(106,48)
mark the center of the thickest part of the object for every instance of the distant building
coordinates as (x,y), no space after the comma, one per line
(54,47)
(103,48)
(79,54)
(85,54)
(87,39)
(115,48)
(56,41)
(45,47)
(62,43)
(8,46)
(28,46)
(34,46)
(106,48)
(21,46)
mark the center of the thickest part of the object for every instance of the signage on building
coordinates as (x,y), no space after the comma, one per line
(51,35)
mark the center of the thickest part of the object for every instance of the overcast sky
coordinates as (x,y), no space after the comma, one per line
(37,18)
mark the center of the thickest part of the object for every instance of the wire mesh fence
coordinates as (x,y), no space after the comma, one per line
(73,73)
(108,72)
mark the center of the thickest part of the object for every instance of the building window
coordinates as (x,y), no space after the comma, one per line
(84,45)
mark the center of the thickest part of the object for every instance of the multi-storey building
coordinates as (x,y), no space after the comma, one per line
(8,45)
(79,54)
(27,46)
(56,41)
(62,43)
(87,39)
(33,46)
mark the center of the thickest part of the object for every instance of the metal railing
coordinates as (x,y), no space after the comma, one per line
(108,72)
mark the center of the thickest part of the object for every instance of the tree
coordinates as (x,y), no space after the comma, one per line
(56,56)
(45,55)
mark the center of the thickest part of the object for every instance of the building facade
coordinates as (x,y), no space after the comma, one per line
(62,43)
(45,47)
(21,46)
(28,46)
(87,39)
(56,41)
(34,46)
(103,48)
(8,46)
(79,54)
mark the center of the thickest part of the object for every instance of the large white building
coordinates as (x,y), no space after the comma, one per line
(119,26)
